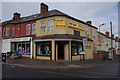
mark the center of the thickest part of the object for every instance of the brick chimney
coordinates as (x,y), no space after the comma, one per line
(16,16)
(113,36)
(107,33)
(89,22)
(116,38)
(44,8)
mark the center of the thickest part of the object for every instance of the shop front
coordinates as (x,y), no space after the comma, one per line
(22,44)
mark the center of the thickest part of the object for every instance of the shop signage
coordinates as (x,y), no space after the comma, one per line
(60,22)
(20,39)
(89,45)
(74,25)
(85,41)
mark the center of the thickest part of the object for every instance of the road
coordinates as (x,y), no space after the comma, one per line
(102,71)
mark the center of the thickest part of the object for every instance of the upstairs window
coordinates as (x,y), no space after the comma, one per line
(0,32)
(43,26)
(13,29)
(87,32)
(50,26)
(7,31)
(33,28)
(3,32)
(28,29)
(93,30)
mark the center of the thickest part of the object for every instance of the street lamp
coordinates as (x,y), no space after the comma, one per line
(99,40)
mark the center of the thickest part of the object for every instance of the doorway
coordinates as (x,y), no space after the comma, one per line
(60,51)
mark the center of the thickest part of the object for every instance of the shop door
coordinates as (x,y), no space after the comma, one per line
(60,51)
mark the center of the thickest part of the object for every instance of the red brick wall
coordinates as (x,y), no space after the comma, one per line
(21,32)
(97,56)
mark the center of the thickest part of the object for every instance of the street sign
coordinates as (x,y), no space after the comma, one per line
(85,41)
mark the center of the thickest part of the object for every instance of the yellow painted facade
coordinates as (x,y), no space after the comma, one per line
(64,25)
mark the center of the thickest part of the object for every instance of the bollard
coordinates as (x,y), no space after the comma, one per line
(3,57)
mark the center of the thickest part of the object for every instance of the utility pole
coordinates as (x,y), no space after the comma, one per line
(111,40)
(111,34)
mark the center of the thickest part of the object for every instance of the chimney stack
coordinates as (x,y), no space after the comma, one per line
(89,22)
(44,8)
(116,38)
(16,16)
(113,36)
(107,34)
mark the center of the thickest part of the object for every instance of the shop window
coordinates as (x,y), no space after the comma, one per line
(13,31)
(33,28)
(43,49)
(28,29)
(77,49)
(7,31)
(43,26)
(50,26)
(93,30)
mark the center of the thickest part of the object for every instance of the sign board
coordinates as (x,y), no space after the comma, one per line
(60,22)
(85,41)
(20,39)
(89,45)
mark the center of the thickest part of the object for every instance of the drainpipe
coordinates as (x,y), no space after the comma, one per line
(31,51)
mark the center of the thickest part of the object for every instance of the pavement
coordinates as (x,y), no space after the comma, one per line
(44,64)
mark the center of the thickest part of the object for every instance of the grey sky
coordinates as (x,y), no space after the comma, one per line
(97,12)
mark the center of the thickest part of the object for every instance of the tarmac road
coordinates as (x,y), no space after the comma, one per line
(102,71)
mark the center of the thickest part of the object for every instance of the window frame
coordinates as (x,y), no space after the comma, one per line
(87,31)
(43,28)
(12,31)
(28,29)
(93,30)
(7,31)
(33,28)
(50,25)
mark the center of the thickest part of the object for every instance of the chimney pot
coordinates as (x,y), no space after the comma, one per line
(116,38)
(107,34)
(16,16)
(89,22)
(113,36)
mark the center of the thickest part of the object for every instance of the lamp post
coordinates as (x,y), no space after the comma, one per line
(99,39)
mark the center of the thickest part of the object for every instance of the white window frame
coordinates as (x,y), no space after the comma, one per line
(13,31)
(43,26)
(50,25)
(33,28)
(28,29)
(7,31)
(87,32)
(93,30)
(3,32)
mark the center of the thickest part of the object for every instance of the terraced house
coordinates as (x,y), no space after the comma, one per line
(51,35)
(60,36)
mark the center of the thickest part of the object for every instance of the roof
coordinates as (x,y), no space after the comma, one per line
(108,36)
(48,14)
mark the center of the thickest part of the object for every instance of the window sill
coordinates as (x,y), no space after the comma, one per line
(44,55)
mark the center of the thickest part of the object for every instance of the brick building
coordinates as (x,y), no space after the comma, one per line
(50,35)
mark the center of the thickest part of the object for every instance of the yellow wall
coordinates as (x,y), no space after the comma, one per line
(67,30)
(43,57)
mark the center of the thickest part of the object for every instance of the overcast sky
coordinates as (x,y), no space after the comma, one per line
(97,12)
